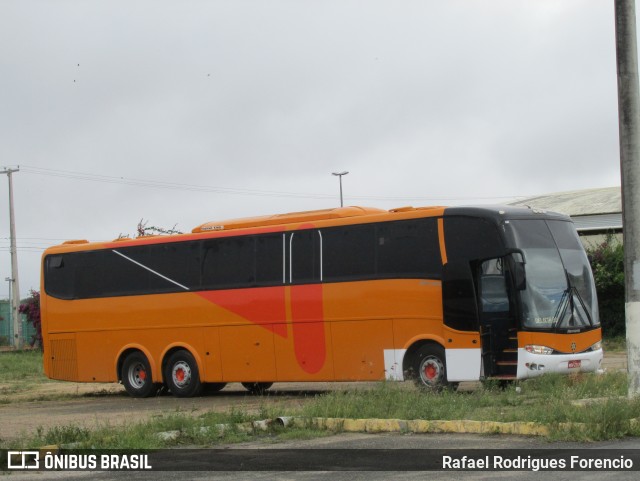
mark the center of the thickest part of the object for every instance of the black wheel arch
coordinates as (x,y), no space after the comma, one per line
(196,385)
(124,354)
(131,377)
(167,355)
(410,355)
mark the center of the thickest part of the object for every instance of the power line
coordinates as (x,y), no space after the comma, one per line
(23,243)
(84,176)
(161,184)
(36,238)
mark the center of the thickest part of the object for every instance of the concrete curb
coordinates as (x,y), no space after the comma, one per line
(420,426)
(417,426)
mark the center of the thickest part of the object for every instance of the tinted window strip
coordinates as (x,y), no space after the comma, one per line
(417,235)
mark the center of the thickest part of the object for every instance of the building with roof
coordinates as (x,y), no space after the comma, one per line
(595,212)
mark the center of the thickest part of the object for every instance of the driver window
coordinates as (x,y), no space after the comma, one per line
(493,286)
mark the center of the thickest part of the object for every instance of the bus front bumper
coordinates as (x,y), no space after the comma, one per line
(531,365)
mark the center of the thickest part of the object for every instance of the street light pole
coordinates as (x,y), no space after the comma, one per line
(340,174)
(15,306)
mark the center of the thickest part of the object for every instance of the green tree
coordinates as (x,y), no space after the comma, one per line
(607,263)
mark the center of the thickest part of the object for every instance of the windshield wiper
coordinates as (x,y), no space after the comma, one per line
(562,307)
(569,293)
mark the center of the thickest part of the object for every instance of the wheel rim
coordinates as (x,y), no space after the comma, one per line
(431,371)
(181,374)
(137,375)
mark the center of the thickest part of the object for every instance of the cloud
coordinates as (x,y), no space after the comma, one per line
(422,101)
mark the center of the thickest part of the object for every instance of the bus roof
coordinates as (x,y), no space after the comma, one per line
(290,218)
(502,212)
(491,211)
(347,215)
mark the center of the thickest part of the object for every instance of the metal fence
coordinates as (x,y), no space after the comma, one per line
(6,326)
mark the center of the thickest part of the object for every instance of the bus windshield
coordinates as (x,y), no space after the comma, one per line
(560,291)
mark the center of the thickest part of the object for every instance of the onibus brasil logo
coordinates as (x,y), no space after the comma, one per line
(22,460)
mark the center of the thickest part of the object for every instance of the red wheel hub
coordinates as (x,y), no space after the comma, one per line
(430,371)
(180,375)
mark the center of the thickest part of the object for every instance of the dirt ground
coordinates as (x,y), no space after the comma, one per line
(92,405)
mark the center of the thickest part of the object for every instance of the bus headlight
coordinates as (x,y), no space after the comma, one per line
(597,346)
(538,349)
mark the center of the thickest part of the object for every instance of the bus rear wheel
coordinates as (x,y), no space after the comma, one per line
(182,375)
(430,368)
(136,376)
(257,387)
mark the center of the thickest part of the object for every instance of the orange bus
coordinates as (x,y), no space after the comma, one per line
(439,295)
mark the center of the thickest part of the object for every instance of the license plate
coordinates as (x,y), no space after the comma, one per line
(574,364)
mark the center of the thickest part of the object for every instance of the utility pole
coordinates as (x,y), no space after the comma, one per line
(15,308)
(629,128)
(340,174)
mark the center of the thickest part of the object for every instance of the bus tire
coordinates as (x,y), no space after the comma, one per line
(430,368)
(257,387)
(182,375)
(213,387)
(136,375)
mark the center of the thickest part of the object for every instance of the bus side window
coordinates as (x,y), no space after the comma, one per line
(269,260)
(59,276)
(304,257)
(228,262)
(349,253)
(409,249)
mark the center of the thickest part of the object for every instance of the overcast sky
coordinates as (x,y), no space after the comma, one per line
(182,112)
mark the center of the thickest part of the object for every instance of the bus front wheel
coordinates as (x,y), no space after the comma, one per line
(430,368)
(182,375)
(136,375)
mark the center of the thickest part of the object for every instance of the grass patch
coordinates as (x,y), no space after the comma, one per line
(546,400)
(22,366)
(615,344)
(21,373)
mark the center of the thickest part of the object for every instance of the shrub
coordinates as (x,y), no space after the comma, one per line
(607,263)
(31,308)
